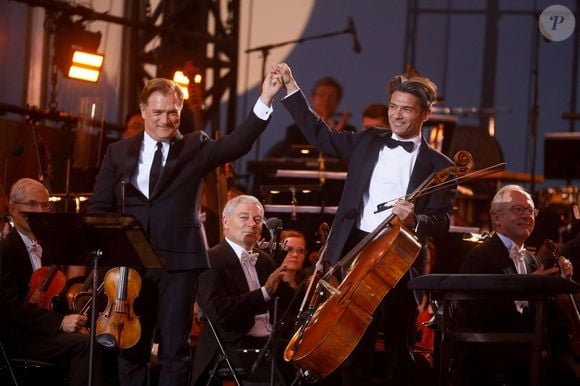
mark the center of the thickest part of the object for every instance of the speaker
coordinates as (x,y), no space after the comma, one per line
(562,155)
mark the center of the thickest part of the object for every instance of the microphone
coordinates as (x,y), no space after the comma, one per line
(273,224)
(352,29)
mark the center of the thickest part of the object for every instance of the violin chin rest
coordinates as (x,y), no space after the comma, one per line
(107,340)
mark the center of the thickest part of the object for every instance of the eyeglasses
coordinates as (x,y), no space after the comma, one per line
(519,210)
(33,204)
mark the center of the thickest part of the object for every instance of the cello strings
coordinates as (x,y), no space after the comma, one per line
(444,185)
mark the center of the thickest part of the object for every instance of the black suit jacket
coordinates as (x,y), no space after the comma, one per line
(492,257)
(170,215)
(224,296)
(20,319)
(362,150)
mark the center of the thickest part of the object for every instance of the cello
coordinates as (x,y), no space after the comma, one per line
(330,331)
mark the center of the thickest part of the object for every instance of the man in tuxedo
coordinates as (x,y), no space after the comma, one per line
(27,330)
(237,292)
(384,165)
(513,218)
(157,176)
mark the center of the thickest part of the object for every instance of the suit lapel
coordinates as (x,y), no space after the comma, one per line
(422,169)
(131,159)
(237,272)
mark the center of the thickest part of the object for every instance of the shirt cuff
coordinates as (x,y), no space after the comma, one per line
(265,294)
(291,93)
(262,111)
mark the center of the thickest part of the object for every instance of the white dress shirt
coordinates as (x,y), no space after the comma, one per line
(389,181)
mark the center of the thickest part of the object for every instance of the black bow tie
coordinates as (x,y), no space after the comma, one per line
(393,143)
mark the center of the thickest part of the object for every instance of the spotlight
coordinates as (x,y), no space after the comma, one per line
(183,82)
(75,50)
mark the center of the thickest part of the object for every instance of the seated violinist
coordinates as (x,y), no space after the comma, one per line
(237,292)
(513,219)
(28,330)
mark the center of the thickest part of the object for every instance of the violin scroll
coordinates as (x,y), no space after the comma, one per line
(463,163)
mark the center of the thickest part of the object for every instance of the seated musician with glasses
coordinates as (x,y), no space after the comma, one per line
(28,330)
(513,218)
(237,293)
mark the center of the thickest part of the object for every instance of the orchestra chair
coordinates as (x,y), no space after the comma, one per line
(222,368)
(29,372)
(447,289)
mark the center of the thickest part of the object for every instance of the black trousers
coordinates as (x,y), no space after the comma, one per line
(68,351)
(166,303)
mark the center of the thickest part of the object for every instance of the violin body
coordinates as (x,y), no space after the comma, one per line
(46,283)
(337,325)
(118,326)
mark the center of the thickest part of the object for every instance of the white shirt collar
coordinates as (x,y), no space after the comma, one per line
(507,242)
(237,248)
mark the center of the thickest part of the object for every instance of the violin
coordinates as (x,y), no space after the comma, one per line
(330,331)
(548,254)
(46,283)
(118,326)
(77,295)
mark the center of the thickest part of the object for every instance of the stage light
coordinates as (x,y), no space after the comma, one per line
(75,50)
(86,66)
(183,82)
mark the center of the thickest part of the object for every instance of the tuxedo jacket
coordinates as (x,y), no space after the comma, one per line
(224,296)
(492,257)
(170,215)
(362,150)
(20,319)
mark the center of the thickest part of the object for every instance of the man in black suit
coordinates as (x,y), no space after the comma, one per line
(27,330)
(380,170)
(157,176)
(513,218)
(237,296)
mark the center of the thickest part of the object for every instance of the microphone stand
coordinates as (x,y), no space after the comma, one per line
(265,50)
(4,355)
(271,338)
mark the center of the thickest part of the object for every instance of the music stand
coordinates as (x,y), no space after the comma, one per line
(71,239)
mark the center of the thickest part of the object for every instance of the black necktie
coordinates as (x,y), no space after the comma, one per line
(155,168)
(393,143)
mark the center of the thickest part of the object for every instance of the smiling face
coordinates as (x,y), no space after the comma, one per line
(161,115)
(244,226)
(510,223)
(296,253)
(406,116)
